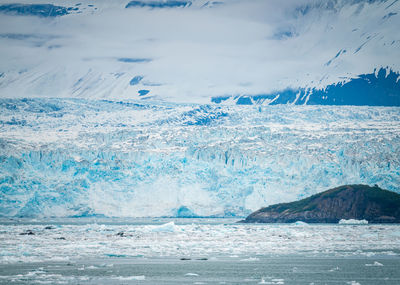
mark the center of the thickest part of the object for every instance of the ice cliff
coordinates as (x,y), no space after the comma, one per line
(76,157)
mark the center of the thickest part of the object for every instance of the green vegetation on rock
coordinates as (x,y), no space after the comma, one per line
(345,202)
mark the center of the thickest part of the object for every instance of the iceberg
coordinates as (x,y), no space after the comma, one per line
(168,228)
(129,278)
(376,263)
(300,223)
(353,222)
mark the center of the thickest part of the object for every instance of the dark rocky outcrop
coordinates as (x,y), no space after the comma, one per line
(27,233)
(345,202)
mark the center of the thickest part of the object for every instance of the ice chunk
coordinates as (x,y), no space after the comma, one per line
(353,222)
(127,278)
(168,227)
(300,223)
(376,263)
(250,259)
(191,274)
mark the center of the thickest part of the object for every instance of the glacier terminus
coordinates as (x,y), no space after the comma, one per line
(76,157)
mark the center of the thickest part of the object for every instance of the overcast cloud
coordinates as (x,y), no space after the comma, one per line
(189,54)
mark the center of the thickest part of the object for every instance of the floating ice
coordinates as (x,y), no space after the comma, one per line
(376,263)
(242,241)
(353,222)
(300,223)
(168,227)
(272,281)
(127,278)
(250,259)
(191,274)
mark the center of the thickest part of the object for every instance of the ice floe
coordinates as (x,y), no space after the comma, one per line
(127,278)
(195,242)
(376,263)
(191,274)
(353,222)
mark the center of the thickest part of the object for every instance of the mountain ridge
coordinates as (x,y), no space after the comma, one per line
(360,202)
(307,52)
(379,88)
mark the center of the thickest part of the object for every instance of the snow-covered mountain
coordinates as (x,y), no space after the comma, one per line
(199,51)
(380,88)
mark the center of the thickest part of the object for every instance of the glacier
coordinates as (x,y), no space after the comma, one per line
(82,157)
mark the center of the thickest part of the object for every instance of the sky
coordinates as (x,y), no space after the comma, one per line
(191,51)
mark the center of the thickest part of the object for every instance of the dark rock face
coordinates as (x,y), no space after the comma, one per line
(40,10)
(383,82)
(345,202)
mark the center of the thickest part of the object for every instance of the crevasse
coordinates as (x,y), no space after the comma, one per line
(75,157)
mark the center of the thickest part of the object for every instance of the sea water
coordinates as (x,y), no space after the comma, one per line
(195,251)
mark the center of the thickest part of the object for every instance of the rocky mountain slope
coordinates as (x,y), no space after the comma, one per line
(345,202)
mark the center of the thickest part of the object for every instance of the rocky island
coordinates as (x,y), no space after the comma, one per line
(360,202)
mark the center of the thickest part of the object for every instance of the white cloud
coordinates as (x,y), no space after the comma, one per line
(240,47)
